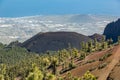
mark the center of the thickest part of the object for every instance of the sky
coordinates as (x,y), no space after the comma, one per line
(20,8)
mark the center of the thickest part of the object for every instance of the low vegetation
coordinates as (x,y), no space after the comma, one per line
(17,62)
(103,65)
(105,56)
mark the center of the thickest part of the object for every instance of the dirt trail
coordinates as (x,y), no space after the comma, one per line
(110,67)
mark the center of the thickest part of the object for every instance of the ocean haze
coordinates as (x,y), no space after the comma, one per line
(22,28)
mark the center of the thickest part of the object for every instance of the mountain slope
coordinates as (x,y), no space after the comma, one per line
(112,30)
(54,41)
(106,69)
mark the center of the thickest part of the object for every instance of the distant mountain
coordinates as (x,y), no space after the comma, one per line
(98,37)
(112,30)
(82,18)
(54,41)
(22,28)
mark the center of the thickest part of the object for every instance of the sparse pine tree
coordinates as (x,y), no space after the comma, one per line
(104,38)
(75,52)
(2,71)
(69,76)
(71,64)
(96,44)
(82,55)
(90,44)
(46,62)
(54,65)
(36,74)
(118,39)
(83,46)
(59,57)
(105,45)
(86,47)
(60,78)
(2,77)
(50,77)
(88,76)
(110,42)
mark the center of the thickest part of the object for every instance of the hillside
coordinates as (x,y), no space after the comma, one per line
(101,62)
(112,30)
(103,68)
(54,41)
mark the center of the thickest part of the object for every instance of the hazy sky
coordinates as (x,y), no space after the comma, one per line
(16,8)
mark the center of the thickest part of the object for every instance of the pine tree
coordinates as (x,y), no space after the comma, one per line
(50,77)
(96,44)
(88,76)
(82,55)
(2,71)
(105,45)
(69,76)
(90,44)
(71,64)
(36,74)
(83,46)
(54,65)
(110,42)
(86,47)
(45,62)
(75,52)
(2,77)
(118,39)
(104,38)
(60,57)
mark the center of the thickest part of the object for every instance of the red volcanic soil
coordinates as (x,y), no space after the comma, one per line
(111,70)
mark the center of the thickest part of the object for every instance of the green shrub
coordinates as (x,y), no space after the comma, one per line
(105,56)
(101,66)
(90,61)
(88,76)
(82,56)
(92,69)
